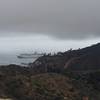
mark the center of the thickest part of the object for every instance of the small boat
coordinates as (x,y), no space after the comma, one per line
(34,55)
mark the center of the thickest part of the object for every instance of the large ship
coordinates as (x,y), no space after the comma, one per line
(31,55)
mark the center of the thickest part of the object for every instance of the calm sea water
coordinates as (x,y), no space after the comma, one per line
(6,59)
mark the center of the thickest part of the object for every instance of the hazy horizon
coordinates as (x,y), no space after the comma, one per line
(40,43)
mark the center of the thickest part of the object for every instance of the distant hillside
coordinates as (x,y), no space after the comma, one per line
(88,59)
(74,60)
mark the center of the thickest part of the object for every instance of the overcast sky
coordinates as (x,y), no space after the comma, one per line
(68,20)
(59,18)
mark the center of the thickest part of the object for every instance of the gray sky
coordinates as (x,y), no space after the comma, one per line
(63,19)
(53,25)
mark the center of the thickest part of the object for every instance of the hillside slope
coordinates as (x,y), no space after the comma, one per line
(74,60)
(20,84)
(45,86)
